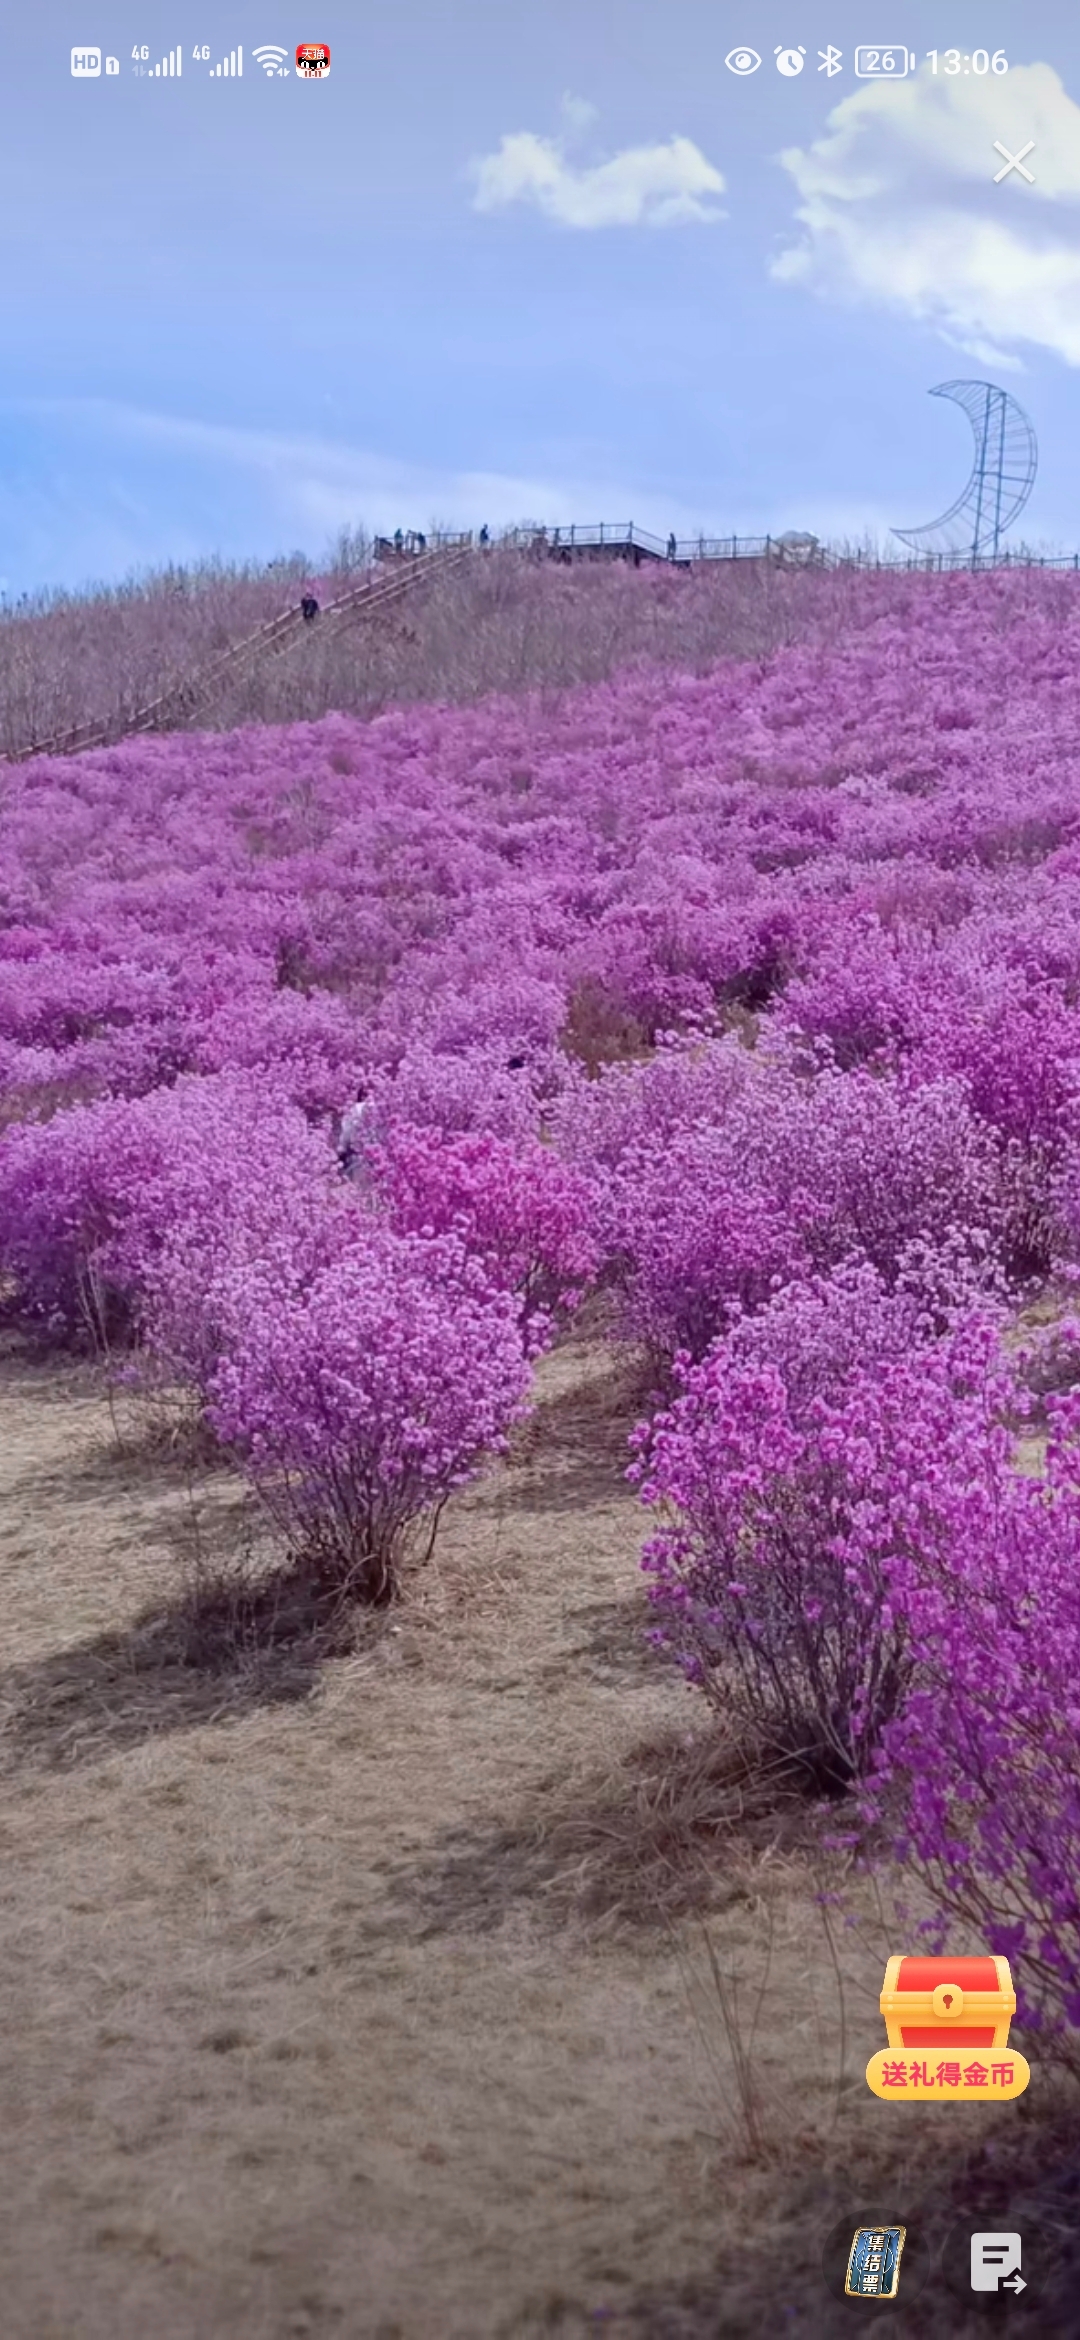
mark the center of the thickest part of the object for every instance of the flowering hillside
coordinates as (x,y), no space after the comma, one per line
(751,998)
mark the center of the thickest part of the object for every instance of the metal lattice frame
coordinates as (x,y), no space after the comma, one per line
(1002,475)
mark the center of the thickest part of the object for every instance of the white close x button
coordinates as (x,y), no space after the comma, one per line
(1014,162)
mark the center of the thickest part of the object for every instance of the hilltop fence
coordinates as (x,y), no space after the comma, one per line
(626,538)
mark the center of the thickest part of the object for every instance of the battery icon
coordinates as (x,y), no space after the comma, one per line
(884,64)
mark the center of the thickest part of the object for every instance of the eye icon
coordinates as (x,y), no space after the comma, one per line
(742,60)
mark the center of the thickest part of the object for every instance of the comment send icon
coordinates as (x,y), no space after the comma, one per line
(995,2263)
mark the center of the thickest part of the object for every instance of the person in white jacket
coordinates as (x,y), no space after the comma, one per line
(355,1128)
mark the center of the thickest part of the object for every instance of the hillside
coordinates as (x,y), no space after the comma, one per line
(428,1919)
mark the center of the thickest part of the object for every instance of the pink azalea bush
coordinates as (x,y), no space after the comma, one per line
(809,1486)
(456,1093)
(802,1170)
(92,1199)
(359,1403)
(775,1572)
(976,1778)
(853,1560)
(700,1242)
(518,1209)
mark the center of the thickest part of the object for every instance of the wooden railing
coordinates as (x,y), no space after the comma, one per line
(376,591)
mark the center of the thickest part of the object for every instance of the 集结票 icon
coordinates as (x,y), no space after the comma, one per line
(947,2021)
(873,2268)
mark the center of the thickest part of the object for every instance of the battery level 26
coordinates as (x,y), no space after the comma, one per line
(884,64)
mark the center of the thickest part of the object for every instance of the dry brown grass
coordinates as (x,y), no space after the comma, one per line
(68,658)
(502,622)
(451,1986)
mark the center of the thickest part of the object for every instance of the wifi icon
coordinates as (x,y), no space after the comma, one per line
(272,59)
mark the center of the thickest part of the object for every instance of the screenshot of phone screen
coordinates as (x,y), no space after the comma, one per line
(539,1169)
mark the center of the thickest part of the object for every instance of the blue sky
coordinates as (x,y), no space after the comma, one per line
(516,261)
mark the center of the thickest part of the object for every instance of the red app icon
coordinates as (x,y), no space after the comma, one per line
(313,60)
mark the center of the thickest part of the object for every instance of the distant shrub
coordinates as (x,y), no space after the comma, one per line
(889,1163)
(517,1208)
(701,1242)
(861,995)
(693,1080)
(796,1174)
(456,1094)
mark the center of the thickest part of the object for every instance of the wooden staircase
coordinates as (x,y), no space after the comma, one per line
(176,705)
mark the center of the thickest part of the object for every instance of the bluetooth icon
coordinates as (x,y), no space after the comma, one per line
(831,61)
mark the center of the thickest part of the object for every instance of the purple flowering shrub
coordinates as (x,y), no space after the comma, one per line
(359,1403)
(455,1094)
(270,1234)
(821,1330)
(801,1171)
(518,1209)
(1014,1041)
(699,1242)
(92,1199)
(359,1373)
(976,1778)
(796,1482)
(309,1046)
(852,1561)
(861,995)
(694,1080)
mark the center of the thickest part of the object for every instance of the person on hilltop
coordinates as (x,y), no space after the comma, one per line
(309,608)
(485,534)
(399,541)
(671,546)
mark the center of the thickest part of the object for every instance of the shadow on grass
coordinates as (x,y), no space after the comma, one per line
(231,1644)
(668,1832)
(143,1450)
(614,1645)
(573,1450)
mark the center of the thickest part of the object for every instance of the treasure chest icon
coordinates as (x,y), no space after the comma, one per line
(938,2002)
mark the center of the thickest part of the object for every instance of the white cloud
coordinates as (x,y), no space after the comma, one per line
(898,207)
(644,186)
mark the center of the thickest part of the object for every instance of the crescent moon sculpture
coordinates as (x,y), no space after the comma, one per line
(1002,475)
